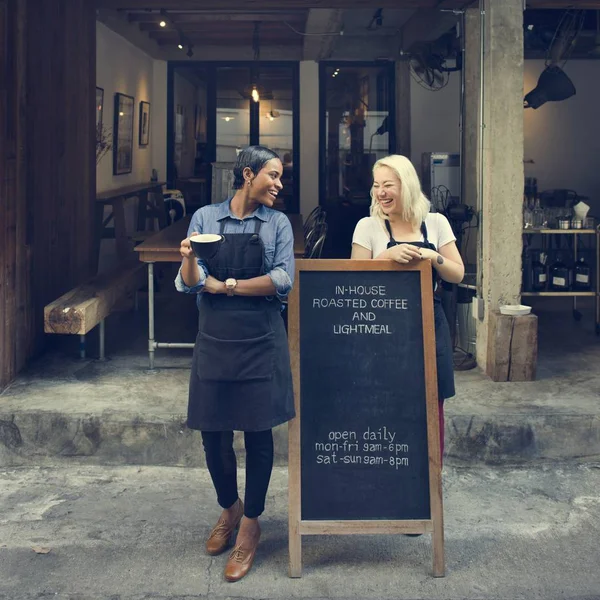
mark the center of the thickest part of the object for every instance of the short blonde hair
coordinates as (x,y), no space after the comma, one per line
(415,205)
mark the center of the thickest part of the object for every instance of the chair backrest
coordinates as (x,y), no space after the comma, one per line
(313,235)
(310,221)
(317,248)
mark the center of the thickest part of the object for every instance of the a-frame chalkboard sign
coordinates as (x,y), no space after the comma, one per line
(364,448)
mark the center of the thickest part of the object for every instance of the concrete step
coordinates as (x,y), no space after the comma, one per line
(119,413)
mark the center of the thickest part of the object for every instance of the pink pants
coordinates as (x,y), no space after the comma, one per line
(441,412)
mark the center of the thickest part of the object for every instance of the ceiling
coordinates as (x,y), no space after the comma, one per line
(304,29)
(214,28)
(279,5)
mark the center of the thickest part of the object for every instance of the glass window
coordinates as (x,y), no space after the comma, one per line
(276,124)
(357,114)
(233,112)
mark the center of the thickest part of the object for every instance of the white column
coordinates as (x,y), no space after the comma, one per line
(503,174)
(309,136)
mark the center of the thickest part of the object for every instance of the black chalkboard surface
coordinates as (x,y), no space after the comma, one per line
(363,418)
(364,453)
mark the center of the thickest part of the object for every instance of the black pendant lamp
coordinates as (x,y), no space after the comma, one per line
(553,86)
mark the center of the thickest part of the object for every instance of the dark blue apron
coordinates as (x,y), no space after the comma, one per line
(241,377)
(443,341)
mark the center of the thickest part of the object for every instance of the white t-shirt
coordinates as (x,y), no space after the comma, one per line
(370,233)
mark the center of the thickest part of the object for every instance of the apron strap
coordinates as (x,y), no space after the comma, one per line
(424,232)
(387,226)
(257,226)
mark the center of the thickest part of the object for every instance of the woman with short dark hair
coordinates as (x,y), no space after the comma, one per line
(241,378)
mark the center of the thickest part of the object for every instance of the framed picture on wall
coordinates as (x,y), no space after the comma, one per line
(99,107)
(123,134)
(144,123)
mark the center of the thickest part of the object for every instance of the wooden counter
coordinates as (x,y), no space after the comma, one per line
(164,246)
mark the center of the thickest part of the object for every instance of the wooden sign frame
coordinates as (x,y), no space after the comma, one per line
(434,525)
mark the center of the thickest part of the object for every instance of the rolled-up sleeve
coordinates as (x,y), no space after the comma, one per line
(282,272)
(180,286)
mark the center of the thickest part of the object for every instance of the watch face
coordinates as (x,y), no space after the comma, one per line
(230,282)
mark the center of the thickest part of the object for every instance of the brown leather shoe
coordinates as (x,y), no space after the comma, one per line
(241,559)
(220,537)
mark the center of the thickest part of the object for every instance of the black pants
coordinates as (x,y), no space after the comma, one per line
(222,465)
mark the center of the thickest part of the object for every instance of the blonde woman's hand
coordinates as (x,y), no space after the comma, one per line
(185,248)
(405,253)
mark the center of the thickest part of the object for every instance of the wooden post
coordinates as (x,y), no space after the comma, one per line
(294,498)
(512,347)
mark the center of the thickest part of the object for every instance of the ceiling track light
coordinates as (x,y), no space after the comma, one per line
(163,18)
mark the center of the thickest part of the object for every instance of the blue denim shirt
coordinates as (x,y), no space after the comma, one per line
(275,232)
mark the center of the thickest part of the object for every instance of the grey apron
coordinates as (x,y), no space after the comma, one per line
(443,342)
(241,377)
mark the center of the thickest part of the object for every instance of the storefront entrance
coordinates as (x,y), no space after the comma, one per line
(217,109)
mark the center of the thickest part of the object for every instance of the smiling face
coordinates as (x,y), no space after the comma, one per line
(387,190)
(267,183)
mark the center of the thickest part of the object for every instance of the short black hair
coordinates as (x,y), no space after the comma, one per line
(253,158)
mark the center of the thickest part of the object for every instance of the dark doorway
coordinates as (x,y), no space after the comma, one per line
(357,121)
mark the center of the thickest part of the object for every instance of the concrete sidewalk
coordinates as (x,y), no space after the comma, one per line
(131,533)
(117,412)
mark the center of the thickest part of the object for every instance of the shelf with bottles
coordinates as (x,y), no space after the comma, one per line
(552,274)
(532,231)
(560,294)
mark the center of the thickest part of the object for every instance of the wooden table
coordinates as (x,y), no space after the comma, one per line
(164,247)
(116,200)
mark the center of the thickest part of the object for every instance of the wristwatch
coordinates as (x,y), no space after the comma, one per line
(230,284)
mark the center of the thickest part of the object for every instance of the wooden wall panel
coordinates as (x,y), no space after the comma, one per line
(14,288)
(47,164)
(61,47)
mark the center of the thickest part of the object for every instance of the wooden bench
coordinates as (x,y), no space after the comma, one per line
(77,312)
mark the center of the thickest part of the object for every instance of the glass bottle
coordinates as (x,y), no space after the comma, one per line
(560,275)
(582,281)
(539,277)
(538,215)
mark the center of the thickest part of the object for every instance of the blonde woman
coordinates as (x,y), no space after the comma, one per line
(401,228)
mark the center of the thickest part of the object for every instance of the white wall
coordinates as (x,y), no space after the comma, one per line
(434,119)
(563,138)
(123,68)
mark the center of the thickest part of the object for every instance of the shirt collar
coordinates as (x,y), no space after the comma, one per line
(224,211)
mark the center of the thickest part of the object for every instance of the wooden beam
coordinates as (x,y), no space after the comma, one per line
(579,4)
(118,23)
(220,40)
(81,309)
(426,25)
(218,28)
(326,21)
(221,5)
(203,17)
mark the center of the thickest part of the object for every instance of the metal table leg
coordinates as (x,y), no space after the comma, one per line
(151,341)
(101,340)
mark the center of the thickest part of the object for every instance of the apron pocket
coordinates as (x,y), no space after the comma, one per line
(235,360)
